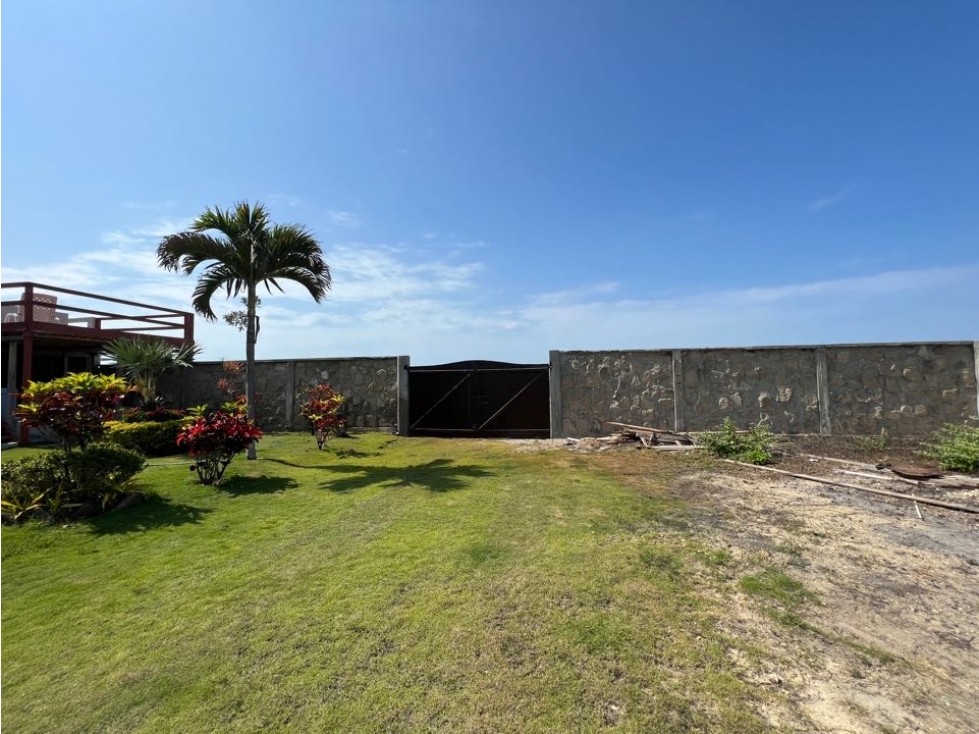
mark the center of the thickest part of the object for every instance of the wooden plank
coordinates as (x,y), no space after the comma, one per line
(896,495)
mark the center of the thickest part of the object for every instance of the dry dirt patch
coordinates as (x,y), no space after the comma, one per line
(892,645)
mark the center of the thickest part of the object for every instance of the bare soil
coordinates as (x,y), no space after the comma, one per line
(897,647)
(892,645)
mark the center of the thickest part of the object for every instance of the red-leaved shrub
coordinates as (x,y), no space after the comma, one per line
(214,440)
(322,409)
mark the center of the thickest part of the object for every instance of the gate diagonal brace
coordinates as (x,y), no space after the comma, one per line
(508,402)
(441,400)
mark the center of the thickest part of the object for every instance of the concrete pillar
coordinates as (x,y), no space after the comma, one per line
(679,419)
(822,392)
(402,381)
(975,357)
(12,366)
(554,387)
(290,393)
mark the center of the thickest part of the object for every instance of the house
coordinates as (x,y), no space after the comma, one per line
(48,332)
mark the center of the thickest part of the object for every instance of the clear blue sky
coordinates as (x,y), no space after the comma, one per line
(496,179)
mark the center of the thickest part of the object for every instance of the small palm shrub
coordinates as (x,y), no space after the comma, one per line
(322,409)
(143,360)
(752,447)
(214,440)
(956,447)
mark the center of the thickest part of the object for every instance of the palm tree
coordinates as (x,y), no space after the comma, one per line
(142,361)
(245,250)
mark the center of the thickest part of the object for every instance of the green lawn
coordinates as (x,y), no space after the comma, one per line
(385,584)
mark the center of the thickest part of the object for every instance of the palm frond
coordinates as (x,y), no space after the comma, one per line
(186,250)
(216,277)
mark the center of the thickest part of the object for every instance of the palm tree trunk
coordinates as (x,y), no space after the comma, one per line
(250,364)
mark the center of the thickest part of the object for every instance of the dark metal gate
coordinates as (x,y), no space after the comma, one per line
(490,399)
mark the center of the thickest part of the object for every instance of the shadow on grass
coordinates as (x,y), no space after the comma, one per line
(326,454)
(256,485)
(438,475)
(155,512)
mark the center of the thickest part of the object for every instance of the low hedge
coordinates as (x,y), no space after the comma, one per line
(61,485)
(151,438)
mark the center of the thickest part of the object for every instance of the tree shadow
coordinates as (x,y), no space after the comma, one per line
(154,512)
(329,453)
(438,475)
(239,485)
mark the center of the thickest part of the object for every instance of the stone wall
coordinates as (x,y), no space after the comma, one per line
(909,389)
(370,385)
(629,387)
(902,387)
(748,386)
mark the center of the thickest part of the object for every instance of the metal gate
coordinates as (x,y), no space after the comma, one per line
(490,399)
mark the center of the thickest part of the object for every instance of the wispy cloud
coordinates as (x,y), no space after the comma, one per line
(437,305)
(343,219)
(828,201)
(283,200)
(120,238)
(363,273)
(164,227)
(573,295)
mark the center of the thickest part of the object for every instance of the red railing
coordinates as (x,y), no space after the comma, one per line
(41,309)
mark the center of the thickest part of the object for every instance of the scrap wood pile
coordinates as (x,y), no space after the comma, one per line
(637,437)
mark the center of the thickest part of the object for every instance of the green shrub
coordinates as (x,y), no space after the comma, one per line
(36,486)
(753,446)
(149,438)
(100,472)
(151,415)
(956,447)
(59,485)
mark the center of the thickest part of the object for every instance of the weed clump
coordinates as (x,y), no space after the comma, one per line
(956,447)
(752,447)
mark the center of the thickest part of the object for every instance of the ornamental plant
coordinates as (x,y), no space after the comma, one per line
(322,409)
(214,440)
(57,485)
(73,409)
(142,361)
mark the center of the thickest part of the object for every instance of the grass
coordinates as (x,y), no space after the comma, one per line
(383,584)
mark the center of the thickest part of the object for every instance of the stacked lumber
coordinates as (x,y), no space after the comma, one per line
(644,437)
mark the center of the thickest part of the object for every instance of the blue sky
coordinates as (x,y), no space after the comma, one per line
(497,179)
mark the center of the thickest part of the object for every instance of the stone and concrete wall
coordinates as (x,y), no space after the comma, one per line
(748,386)
(629,387)
(909,389)
(905,388)
(370,385)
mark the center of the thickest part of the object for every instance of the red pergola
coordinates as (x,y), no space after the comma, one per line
(44,323)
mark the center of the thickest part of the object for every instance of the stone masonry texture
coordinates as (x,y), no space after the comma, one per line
(369,385)
(907,389)
(748,386)
(629,387)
